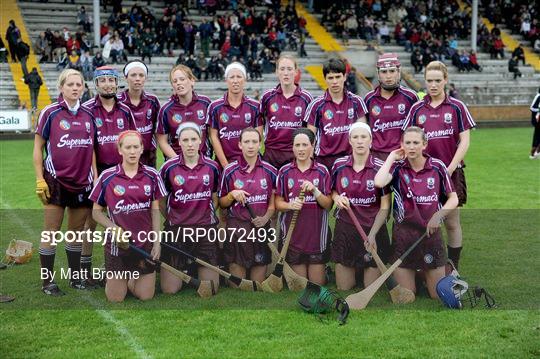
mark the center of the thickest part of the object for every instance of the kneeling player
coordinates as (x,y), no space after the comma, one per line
(353,187)
(421,186)
(130,193)
(250,181)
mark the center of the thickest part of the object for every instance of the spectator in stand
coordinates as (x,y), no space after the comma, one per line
(350,83)
(74,61)
(34,82)
(417,61)
(254,69)
(497,48)
(513,67)
(3,52)
(384,33)
(72,44)
(23,51)
(147,42)
(537,45)
(13,34)
(205,35)
(453,92)
(98,61)
(474,61)
(202,67)
(86,65)
(171,35)
(83,19)
(519,53)
(42,48)
(465,61)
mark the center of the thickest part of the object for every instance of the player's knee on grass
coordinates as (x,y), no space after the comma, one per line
(345,277)
(169,283)
(116,290)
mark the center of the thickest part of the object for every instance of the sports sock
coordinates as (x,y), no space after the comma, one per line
(86,266)
(454,254)
(74,257)
(46,257)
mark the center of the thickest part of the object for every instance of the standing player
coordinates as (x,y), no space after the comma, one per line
(330,116)
(192,181)
(388,105)
(423,196)
(248,180)
(447,124)
(185,105)
(130,193)
(66,131)
(282,111)
(535,121)
(110,117)
(144,107)
(307,253)
(229,115)
(354,187)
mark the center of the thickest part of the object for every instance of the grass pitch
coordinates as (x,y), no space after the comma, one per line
(501,225)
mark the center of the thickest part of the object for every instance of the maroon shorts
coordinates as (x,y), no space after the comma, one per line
(129,262)
(429,254)
(245,245)
(295,257)
(61,196)
(148,158)
(380,155)
(328,161)
(460,186)
(348,246)
(181,239)
(277,158)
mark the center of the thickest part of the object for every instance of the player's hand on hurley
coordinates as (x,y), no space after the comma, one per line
(308,186)
(156,251)
(239,195)
(433,225)
(259,221)
(371,244)
(342,202)
(295,204)
(42,191)
(397,155)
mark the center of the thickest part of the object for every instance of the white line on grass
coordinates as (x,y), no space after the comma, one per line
(103,313)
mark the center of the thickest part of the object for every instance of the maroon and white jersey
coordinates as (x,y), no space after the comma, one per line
(145,116)
(69,146)
(387,116)
(311,232)
(190,191)
(442,125)
(419,195)
(259,183)
(109,125)
(230,121)
(281,116)
(333,121)
(173,113)
(129,200)
(359,188)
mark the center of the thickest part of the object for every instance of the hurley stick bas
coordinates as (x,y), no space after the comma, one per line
(294,281)
(274,282)
(244,284)
(398,294)
(205,288)
(361,299)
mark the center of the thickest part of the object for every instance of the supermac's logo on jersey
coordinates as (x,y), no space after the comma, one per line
(247,117)
(206,180)
(447,117)
(344,182)
(64,125)
(370,185)
(376,110)
(200,114)
(401,108)
(298,111)
(274,107)
(421,119)
(290,183)
(179,180)
(147,189)
(149,114)
(264,184)
(119,190)
(177,118)
(99,122)
(238,184)
(224,117)
(430,183)
(120,123)
(328,114)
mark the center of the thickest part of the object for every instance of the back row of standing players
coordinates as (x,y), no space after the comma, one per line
(83,140)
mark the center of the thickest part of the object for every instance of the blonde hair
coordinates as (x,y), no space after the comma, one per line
(185,70)
(415,129)
(437,66)
(287,57)
(65,74)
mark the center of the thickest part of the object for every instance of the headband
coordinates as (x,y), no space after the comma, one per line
(123,134)
(135,64)
(237,66)
(188,125)
(361,125)
(104,71)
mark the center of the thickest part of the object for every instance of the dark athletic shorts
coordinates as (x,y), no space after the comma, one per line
(247,249)
(61,196)
(148,158)
(277,158)
(429,254)
(348,246)
(203,249)
(129,261)
(460,185)
(295,257)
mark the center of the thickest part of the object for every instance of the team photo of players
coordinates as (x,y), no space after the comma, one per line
(272,175)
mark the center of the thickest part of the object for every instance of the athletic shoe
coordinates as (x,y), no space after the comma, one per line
(90,284)
(6,298)
(77,284)
(52,289)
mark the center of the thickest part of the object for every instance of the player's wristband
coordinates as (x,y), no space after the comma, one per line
(316,192)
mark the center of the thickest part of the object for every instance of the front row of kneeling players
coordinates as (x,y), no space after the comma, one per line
(189,188)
